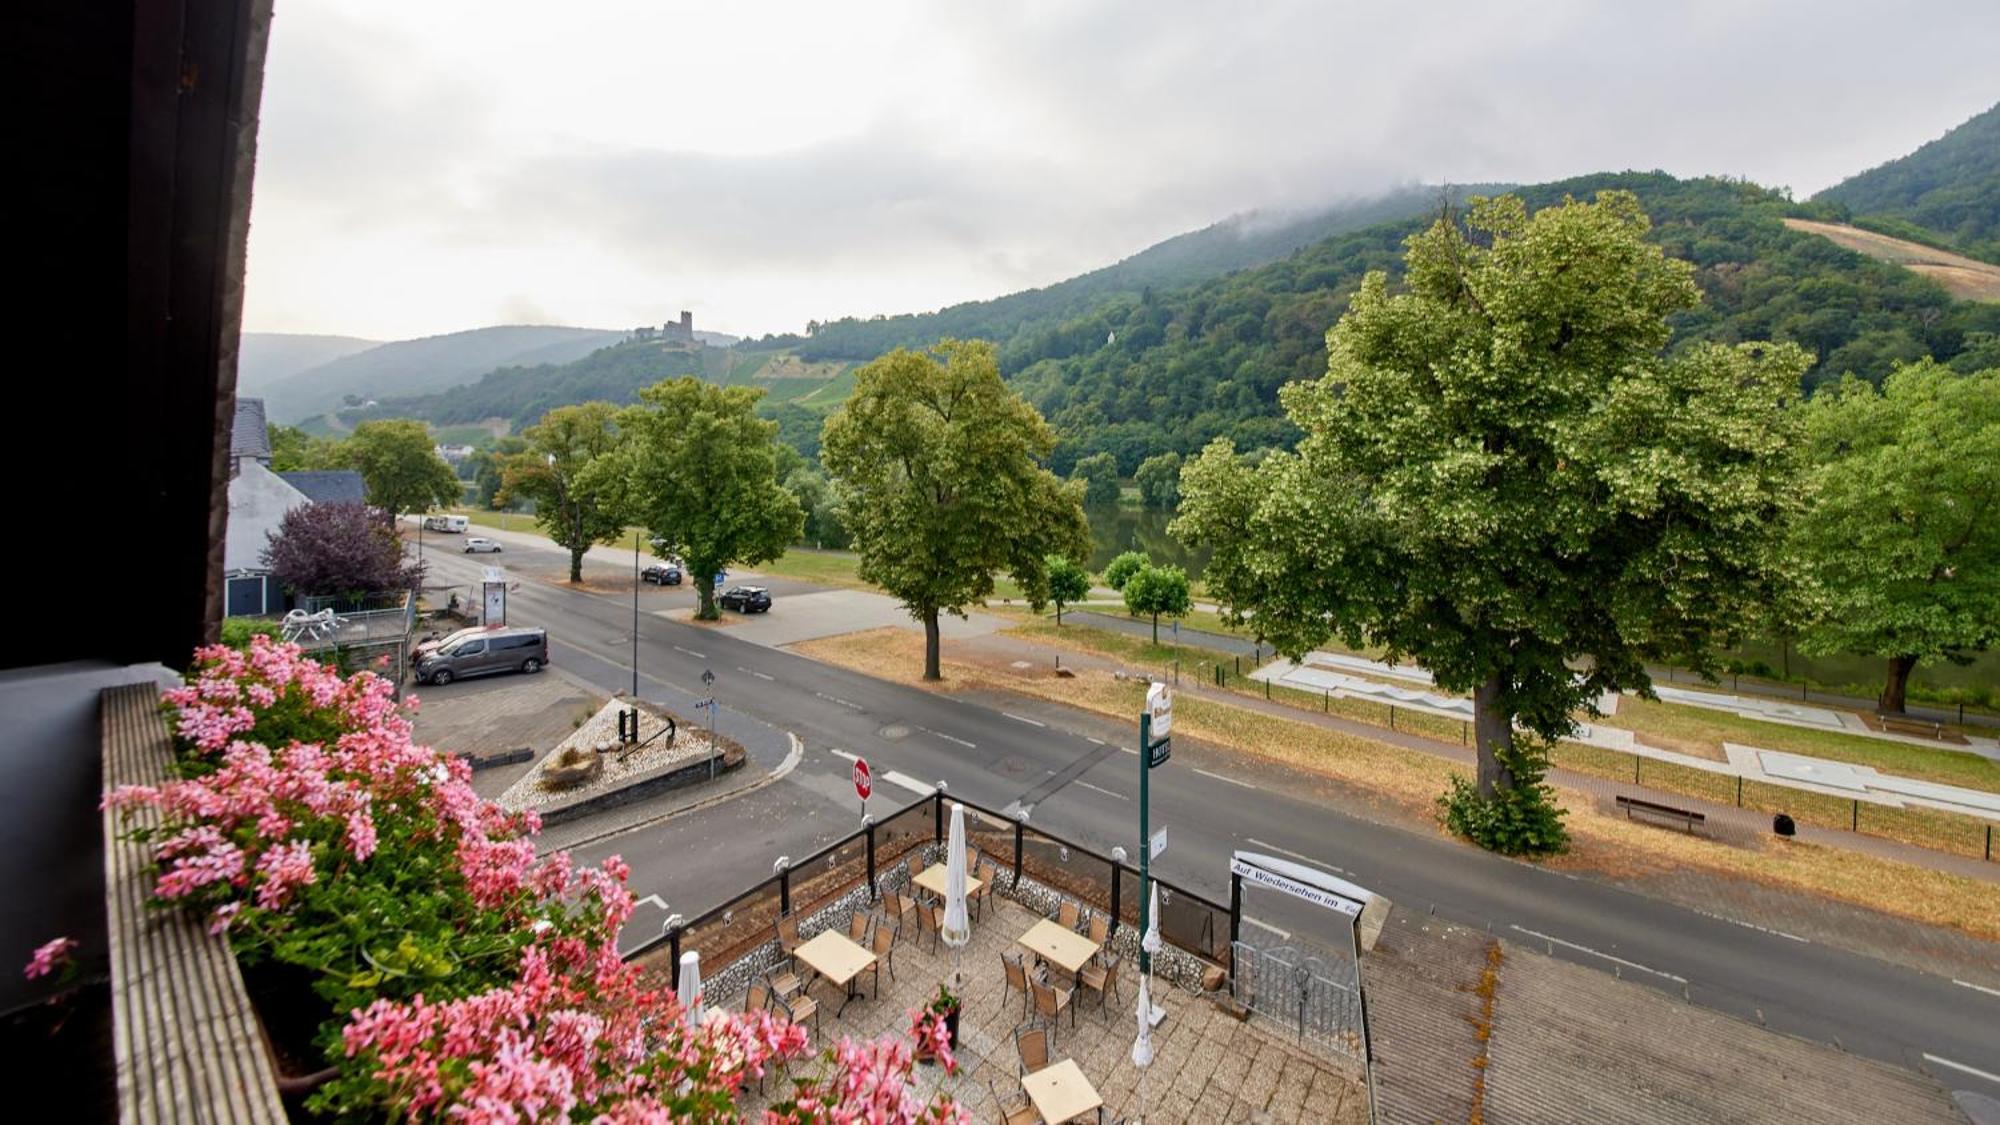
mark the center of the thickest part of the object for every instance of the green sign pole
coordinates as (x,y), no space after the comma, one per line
(1145,837)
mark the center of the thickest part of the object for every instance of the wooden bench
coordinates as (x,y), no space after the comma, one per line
(1909,724)
(1688,819)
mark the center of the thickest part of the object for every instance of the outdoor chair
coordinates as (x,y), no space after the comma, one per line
(1100,929)
(784,981)
(788,934)
(1031,1043)
(857,927)
(987,879)
(933,922)
(1015,1108)
(971,858)
(885,950)
(1050,1001)
(800,1008)
(757,997)
(915,866)
(1068,915)
(1017,978)
(1101,979)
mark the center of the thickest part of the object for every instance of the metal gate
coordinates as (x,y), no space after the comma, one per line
(1316,998)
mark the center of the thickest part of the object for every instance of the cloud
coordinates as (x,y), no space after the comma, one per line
(426,166)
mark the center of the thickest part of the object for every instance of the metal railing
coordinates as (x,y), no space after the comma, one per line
(1317,998)
(875,859)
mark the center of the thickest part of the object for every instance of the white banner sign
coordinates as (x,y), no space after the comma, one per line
(1158,845)
(1160,705)
(1296,889)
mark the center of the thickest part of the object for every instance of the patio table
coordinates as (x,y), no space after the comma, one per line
(1061,1092)
(1059,946)
(834,956)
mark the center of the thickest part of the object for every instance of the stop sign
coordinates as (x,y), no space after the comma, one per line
(862,783)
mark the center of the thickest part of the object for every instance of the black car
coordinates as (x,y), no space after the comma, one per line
(661,574)
(746,599)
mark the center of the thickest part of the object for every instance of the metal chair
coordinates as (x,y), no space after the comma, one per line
(784,981)
(800,1008)
(1100,929)
(1050,1001)
(1101,979)
(1068,915)
(933,922)
(857,927)
(1017,978)
(788,934)
(915,866)
(1031,1044)
(1015,1108)
(988,878)
(757,997)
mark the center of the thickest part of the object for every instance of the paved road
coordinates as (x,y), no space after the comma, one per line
(1068,766)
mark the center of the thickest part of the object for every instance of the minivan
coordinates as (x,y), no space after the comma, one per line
(482,652)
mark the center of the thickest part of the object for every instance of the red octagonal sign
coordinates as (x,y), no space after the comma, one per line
(862,784)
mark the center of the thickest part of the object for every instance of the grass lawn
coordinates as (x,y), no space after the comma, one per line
(826,568)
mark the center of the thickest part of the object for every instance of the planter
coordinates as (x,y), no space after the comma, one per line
(290,1014)
(924,1055)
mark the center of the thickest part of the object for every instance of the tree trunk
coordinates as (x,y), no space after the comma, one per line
(1156,630)
(1895,691)
(576,564)
(705,599)
(1493,729)
(1058,615)
(931,671)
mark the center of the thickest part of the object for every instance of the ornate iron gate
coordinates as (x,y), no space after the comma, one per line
(1317,998)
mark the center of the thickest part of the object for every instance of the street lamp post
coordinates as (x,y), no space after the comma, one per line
(635,615)
(708,681)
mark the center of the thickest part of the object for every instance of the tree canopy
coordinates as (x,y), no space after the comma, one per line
(571,507)
(699,469)
(399,465)
(1099,474)
(340,550)
(940,468)
(1069,583)
(1121,569)
(1506,477)
(1159,481)
(1157,591)
(1902,541)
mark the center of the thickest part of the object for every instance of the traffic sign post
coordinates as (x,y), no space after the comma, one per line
(1156,728)
(864,784)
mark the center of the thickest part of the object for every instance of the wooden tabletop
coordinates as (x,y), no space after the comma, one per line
(1060,1091)
(932,880)
(1059,946)
(834,957)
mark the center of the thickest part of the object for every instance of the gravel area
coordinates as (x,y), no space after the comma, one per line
(690,744)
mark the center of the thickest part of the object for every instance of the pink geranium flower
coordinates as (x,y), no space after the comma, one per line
(49,957)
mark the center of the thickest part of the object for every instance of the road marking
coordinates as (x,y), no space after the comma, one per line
(1024,719)
(690,652)
(895,777)
(1595,953)
(950,738)
(1972,1070)
(1093,741)
(1101,789)
(1768,930)
(1297,855)
(1129,750)
(1230,780)
(655,900)
(838,752)
(1283,935)
(755,672)
(842,702)
(1977,987)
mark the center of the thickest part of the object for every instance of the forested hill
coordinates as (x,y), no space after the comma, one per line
(1946,193)
(414,367)
(1170,371)
(1236,243)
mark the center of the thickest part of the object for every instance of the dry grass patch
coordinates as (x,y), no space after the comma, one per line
(1410,783)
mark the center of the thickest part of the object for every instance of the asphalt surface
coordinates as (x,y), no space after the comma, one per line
(1068,769)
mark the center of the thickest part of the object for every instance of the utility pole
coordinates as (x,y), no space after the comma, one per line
(1156,719)
(635,614)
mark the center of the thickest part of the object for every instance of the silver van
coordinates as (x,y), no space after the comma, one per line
(482,652)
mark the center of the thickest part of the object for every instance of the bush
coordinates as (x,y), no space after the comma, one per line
(1523,820)
(237,631)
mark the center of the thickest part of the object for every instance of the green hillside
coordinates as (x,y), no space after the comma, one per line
(1946,193)
(1236,243)
(428,365)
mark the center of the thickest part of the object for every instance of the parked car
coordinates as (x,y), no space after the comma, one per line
(661,574)
(746,599)
(481,543)
(483,652)
(432,643)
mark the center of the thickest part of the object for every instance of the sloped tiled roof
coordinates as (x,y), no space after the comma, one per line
(250,436)
(329,486)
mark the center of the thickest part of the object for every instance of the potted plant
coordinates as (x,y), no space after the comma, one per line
(942,1008)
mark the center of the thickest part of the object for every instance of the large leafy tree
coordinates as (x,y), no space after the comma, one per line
(941,468)
(1157,590)
(1505,477)
(344,550)
(1099,474)
(399,465)
(1069,583)
(573,509)
(1902,542)
(699,469)
(1159,481)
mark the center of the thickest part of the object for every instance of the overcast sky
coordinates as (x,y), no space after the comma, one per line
(432,165)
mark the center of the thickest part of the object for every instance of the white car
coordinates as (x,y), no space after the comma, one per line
(481,543)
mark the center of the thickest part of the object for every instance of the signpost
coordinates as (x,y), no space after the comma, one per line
(708,681)
(1159,844)
(1156,728)
(863,784)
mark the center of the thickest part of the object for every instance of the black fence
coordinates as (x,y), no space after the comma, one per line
(878,858)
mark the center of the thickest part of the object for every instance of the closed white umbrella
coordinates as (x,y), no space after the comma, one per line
(689,990)
(1151,944)
(956,930)
(1142,1047)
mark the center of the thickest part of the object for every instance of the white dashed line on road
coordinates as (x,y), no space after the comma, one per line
(839,753)
(1230,780)
(1093,741)
(894,777)
(1301,856)
(763,675)
(1024,719)
(690,652)
(1765,930)
(950,738)
(842,702)
(1595,953)
(1972,1070)
(654,900)
(1129,750)
(1977,987)
(1101,789)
